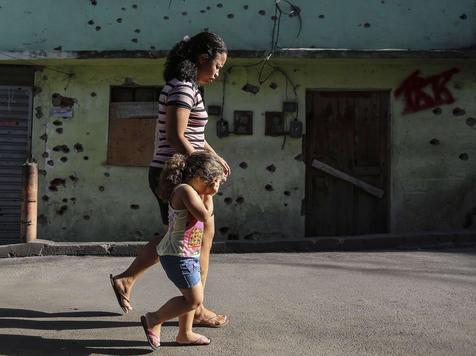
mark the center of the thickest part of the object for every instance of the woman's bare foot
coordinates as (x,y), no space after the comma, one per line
(208,318)
(122,288)
(192,338)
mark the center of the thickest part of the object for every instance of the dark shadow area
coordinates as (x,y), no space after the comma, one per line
(26,313)
(59,325)
(11,345)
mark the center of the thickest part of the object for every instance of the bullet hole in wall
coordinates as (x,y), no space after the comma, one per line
(271,168)
(59,130)
(101,188)
(134,206)
(435,142)
(285,204)
(203,11)
(366,25)
(137,30)
(73,178)
(184,13)
(64,159)
(262,12)
(107,174)
(86,217)
(205,29)
(321,16)
(85,158)
(64,200)
(269,187)
(245,7)
(463,17)
(298,157)
(152,47)
(91,22)
(94,2)
(208,7)
(38,112)
(135,6)
(287,193)
(57,122)
(50,163)
(228,200)
(230,16)
(135,40)
(45,198)
(437,111)
(55,183)
(243,165)
(166,17)
(464,156)
(232,237)
(224,229)
(98,28)
(470,121)
(73,199)
(44,137)
(59,48)
(220,5)
(61,148)
(458,112)
(273,86)
(240,200)
(93,94)
(78,147)
(123,8)
(45,155)
(42,172)
(119,20)
(42,219)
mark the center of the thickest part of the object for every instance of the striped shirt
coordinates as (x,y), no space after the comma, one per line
(182,95)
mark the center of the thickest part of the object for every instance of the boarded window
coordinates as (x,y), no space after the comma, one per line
(132,117)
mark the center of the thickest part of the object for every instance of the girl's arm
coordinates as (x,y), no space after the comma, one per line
(201,210)
(176,123)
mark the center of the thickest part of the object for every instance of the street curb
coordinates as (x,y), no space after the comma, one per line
(316,244)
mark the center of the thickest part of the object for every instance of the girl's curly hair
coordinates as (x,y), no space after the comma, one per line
(181,168)
(182,59)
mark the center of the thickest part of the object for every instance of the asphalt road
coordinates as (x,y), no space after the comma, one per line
(364,303)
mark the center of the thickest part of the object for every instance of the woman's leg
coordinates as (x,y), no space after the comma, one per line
(204,316)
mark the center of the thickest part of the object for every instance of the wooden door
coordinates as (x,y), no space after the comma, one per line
(348,131)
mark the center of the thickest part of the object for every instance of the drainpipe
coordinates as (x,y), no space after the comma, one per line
(30,202)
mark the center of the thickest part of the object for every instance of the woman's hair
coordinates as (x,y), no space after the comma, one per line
(181,168)
(182,59)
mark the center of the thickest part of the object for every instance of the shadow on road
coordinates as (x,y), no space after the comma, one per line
(35,345)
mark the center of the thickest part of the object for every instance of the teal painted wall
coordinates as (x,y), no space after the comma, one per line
(44,25)
(432,186)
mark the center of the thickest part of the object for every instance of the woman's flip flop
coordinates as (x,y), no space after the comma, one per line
(119,296)
(152,338)
(201,341)
(216,321)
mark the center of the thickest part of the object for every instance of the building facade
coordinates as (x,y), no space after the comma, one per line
(349,120)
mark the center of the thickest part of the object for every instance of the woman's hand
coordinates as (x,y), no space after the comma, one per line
(226,167)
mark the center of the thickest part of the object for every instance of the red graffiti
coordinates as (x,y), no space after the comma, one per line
(416,91)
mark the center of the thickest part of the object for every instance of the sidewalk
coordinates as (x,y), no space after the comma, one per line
(338,243)
(327,303)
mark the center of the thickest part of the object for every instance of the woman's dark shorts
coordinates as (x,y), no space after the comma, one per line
(154,177)
(184,272)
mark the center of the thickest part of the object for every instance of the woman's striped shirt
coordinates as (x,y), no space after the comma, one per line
(183,95)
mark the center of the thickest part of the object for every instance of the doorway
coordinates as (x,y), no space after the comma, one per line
(347,159)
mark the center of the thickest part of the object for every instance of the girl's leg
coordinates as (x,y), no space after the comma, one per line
(189,301)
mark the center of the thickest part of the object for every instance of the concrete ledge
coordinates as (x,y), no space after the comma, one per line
(337,243)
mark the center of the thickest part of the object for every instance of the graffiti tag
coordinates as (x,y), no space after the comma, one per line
(424,93)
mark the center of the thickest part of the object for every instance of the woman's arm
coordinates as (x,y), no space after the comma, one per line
(175,126)
(222,161)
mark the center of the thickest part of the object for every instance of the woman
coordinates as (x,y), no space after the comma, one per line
(180,129)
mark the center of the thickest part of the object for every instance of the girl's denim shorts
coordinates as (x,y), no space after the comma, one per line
(184,272)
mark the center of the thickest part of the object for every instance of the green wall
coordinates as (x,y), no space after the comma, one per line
(432,188)
(71,25)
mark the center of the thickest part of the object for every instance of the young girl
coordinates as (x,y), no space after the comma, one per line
(188,183)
